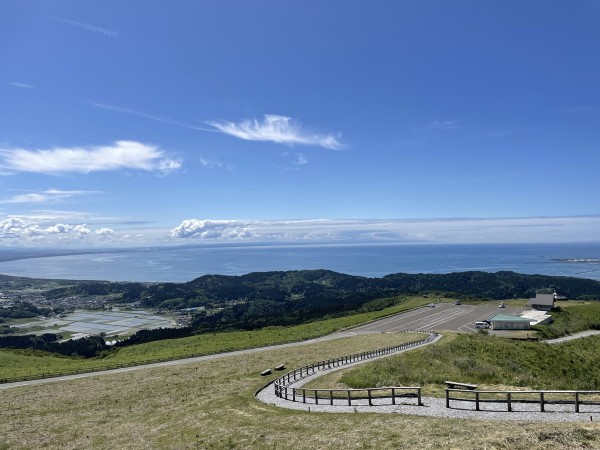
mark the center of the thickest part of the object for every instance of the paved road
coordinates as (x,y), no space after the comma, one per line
(579,335)
(444,316)
(176,362)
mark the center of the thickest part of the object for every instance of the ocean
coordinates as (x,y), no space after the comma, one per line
(187,263)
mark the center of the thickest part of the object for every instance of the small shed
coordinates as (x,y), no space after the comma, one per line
(544,302)
(506,322)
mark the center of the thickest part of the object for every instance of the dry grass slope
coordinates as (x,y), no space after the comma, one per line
(210,405)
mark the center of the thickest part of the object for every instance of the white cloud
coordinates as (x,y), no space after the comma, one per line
(212,229)
(120,155)
(278,129)
(88,27)
(47,196)
(106,232)
(15,228)
(60,228)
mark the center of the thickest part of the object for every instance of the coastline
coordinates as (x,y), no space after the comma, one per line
(185,263)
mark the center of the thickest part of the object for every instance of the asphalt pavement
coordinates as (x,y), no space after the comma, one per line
(441,317)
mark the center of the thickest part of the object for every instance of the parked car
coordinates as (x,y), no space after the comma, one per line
(501,305)
(457,302)
(482,325)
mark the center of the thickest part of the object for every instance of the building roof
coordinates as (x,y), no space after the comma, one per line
(543,299)
(507,318)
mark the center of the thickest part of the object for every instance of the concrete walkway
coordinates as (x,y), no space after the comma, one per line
(434,407)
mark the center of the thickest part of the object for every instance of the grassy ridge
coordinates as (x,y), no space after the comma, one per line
(489,361)
(17,363)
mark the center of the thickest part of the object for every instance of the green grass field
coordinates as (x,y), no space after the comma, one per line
(210,405)
(572,317)
(489,361)
(18,363)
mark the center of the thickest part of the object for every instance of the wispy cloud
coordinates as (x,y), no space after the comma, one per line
(442,125)
(20,85)
(88,27)
(300,160)
(46,217)
(278,129)
(47,196)
(121,155)
(212,164)
(297,159)
(153,117)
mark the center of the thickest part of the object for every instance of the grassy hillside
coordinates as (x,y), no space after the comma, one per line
(489,361)
(210,405)
(570,318)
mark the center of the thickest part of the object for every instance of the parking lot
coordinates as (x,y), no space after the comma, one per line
(444,316)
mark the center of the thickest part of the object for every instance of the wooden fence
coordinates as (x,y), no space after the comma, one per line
(543,398)
(283,390)
(346,396)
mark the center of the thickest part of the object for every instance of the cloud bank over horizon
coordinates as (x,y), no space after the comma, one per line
(51,229)
(26,231)
(468,230)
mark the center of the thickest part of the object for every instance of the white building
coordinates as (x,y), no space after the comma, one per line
(506,322)
(544,302)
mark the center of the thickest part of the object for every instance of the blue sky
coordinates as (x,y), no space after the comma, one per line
(137,123)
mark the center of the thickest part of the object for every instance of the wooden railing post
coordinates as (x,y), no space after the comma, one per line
(369,395)
(476,401)
(447,398)
(393,396)
(576,402)
(541,401)
(316,397)
(349,398)
(419,402)
(331,397)
(509,401)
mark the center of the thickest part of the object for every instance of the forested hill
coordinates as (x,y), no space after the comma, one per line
(284,298)
(307,284)
(321,287)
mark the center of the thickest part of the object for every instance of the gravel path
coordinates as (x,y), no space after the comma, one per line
(435,407)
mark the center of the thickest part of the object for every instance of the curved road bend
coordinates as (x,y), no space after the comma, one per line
(432,406)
